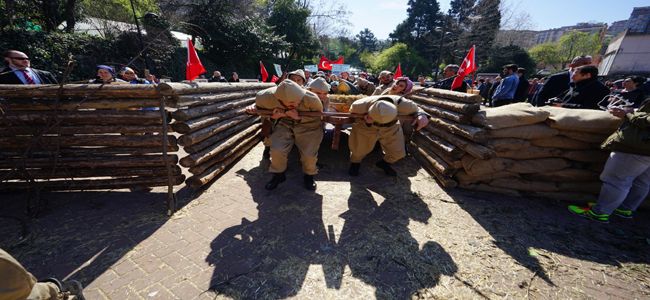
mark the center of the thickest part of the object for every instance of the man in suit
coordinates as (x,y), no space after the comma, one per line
(18,71)
(558,84)
(449,73)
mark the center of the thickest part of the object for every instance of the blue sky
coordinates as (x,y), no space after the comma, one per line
(381,16)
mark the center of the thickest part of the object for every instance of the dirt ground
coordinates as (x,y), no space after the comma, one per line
(367,237)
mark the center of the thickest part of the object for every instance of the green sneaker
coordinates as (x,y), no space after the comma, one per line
(586,212)
(623,213)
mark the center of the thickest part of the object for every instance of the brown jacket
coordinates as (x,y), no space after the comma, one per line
(265,99)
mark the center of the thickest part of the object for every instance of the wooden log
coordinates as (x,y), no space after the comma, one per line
(93,184)
(189,126)
(422,142)
(80,129)
(446,114)
(75,104)
(215,149)
(452,95)
(441,145)
(81,173)
(436,162)
(221,135)
(54,142)
(177,88)
(90,162)
(85,151)
(205,99)
(472,133)
(95,117)
(226,151)
(94,91)
(463,108)
(443,180)
(216,170)
(473,149)
(204,133)
(200,111)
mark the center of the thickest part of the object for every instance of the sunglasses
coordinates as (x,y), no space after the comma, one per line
(20,58)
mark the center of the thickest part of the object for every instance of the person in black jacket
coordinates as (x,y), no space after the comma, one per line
(18,71)
(586,90)
(522,88)
(450,73)
(558,84)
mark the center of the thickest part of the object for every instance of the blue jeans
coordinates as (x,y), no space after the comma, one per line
(626,182)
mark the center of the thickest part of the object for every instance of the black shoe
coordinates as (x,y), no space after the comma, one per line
(386,167)
(277,179)
(267,153)
(354,169)
(309,182)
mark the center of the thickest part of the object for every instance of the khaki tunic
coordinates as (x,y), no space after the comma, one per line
(306,133)
(364,136)
(17,283)
(382,87)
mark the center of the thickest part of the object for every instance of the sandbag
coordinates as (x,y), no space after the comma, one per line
(508,144)
(531,152)
(565,175)
(464,178)
(586,155)
(490,189)
(586,137)
(512,115)
(584,120)
(528,132)
(562,142)
(482,167)
(525,185)
(540,165)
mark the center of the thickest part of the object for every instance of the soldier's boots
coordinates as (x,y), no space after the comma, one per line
(69,289)
(354,169)
(277,179)
(309,182)
(267,153)
(386,167)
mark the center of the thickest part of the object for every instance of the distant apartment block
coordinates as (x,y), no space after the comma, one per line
(553,35)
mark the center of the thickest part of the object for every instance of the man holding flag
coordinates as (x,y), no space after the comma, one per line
(454,74)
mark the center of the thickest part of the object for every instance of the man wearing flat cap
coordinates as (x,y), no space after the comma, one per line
(385,82)
(380,123)
(287,100)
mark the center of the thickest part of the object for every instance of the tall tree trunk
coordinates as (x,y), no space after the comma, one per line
(70,18)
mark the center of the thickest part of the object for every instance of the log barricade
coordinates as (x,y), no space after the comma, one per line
(215,130)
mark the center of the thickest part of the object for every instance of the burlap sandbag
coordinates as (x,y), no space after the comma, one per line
(484,167)
(561,142)
(513,115)
(525,185)
(586,155)
(586,137)
(464,178)
(508,144)
(528,132)
(540,165)
(531,152)
(586,120)
(490,189)
(565,175)
(580,187)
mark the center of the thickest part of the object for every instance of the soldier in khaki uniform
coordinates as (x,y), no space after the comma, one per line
(321,88)
(287,100)
(380,123)
(385,82)
(17,283)
(298,76)
(364,86)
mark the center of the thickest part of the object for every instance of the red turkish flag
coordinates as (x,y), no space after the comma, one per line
(275,79)
(326,64)
(467,67)
(265,74)
(398,71)
(193,67)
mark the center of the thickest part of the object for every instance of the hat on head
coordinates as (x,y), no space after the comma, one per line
(300,73)
(382,112)
(409,84)
(107,68)
(363,74)
(385,73)
(319,84)
(289,92)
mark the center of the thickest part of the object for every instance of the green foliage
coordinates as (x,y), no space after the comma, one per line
(412,63)
(483,29)
(48,14)
(508,55)
(577,43)
(420,31)
(461,10)
(366,41)
(118,10)
(546,54)
(289,20)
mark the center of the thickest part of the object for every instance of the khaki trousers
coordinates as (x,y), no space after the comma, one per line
(363,139)
(17,283)
(307,137)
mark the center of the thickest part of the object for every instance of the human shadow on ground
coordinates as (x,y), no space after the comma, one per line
(520,224)
(81,234)
(270,257)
